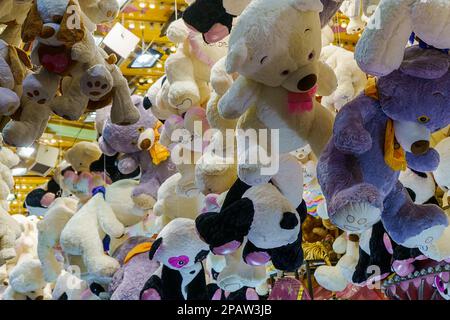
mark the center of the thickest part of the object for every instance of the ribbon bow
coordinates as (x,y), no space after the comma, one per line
(158,152)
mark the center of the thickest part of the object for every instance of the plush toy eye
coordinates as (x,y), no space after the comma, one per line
(263,59)
(133,143)
(285,73)
(181,263)
(311,55)
(141,129)
(308,29)
(423,119)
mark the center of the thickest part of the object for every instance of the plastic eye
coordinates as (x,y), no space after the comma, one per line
(423,119)
(141,129)
(263,59)
(181,263)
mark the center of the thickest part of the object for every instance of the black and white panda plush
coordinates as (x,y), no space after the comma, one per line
(420,186)
(265,217)
(181,276)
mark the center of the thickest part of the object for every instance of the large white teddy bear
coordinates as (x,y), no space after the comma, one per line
(108,212)
(380,49)
(275,47)
(188,69)
(351,80)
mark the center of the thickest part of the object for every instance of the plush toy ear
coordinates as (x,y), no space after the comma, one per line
(236,56)
(155,246)
(72,28)
(308,5)
(19,63)
(290,257)
(330,7)
(380,49)
(231,224)
(32,25)
(425,63)
(235,193)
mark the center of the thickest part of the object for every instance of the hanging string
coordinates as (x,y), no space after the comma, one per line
(176,10)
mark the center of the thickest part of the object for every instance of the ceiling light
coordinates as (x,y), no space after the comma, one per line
(19,171)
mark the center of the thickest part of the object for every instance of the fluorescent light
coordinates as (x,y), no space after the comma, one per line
(25,152)
(19,171)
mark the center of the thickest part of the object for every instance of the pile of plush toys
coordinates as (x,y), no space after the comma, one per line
(272,150)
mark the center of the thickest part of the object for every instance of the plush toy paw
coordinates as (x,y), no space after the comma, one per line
(103,266)
(425,225)
(9,102)
(150,294)
(96,82)
(330,278)
(440,249)
(19,134)
(144,201)
(37,91)
(357,208)
(426,162)
(184,95)
(353,140)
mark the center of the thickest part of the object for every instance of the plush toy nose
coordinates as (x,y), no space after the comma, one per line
(40,298)
(420,147)
(47,32)
(307,82)
(289,221)
(146,139)
(145,144)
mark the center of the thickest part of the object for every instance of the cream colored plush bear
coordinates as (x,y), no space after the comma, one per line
(83,234)
(13,13)
(188,69)
(351,80)
(8,160)
(49,233)
(10,231)
(26,282)
(171,205)
(216,170)
(279,78)
(61,50)
(82,154)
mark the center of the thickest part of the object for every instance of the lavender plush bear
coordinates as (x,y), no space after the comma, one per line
(140,146)
(379,133)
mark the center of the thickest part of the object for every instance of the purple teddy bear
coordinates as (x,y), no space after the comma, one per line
(140,146)
(359,181)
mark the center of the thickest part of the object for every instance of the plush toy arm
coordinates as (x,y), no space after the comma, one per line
(7,244)
(327,82)
(177,32)
(6,75)
(107,219)
(221,81)
(128,164)
(51,266)
(238,98)
(288,257)
(380,49)
(153,289)
(350,135)
(423,163)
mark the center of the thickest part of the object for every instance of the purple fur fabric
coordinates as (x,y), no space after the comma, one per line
(128,281)
(123,139)
(352,170)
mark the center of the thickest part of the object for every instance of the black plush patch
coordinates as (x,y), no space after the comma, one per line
(109,164)
(420,174)
(96,289)
(289,221)
(201,256)
(196,289)
(156,283)
(360,274)
(154,247)
(302,211)
(232,223)
(235,193)
(412,194)
(63,297)
(204,14)
(290,257)
(147,103)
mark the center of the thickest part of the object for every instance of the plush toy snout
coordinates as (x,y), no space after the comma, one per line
(413,137)
(146,139)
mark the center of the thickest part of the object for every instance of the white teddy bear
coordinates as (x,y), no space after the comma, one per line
(279,78)
(350,79)
(188,69)
(108,212)
(358,11)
